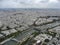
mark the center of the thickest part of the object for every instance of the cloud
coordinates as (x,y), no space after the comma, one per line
(29,4)
(53,1)
(10,4)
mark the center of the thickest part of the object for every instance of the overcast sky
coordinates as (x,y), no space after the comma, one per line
(29,3)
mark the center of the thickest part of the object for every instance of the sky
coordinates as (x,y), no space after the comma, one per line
(29,3)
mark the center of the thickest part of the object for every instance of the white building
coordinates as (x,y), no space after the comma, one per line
(8,32)
(42,37)
(56,29)
(43,20)
(1,36)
